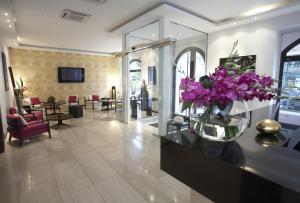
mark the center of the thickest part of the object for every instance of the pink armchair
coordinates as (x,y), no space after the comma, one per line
(35,102)
(34,116)
(95,99)
(17,130)
(72,100)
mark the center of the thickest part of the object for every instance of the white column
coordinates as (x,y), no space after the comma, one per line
(125,83)
(166,60)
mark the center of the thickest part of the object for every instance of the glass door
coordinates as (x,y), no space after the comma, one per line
(144,83)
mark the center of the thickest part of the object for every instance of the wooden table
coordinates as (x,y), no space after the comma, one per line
(108,105)
(52,106)
(60,117)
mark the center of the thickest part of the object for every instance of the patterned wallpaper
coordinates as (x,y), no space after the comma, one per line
(38,69)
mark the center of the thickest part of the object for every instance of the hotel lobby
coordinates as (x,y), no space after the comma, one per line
(149,101)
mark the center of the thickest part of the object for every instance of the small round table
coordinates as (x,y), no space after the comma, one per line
(59,118)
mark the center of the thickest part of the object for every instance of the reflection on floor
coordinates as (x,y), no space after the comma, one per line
(97,160)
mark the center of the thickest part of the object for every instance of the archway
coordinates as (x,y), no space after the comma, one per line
(190,62)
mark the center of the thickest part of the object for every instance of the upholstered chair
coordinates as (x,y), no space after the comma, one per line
(34,116)
(21,131)
(95,100)
(72,100)
(35,102)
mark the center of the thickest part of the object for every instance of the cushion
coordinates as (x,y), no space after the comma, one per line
(23,111)
(23,121)
(26,101)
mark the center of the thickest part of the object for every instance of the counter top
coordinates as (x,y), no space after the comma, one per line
(252,152)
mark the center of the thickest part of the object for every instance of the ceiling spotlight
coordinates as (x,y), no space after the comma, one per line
(10,26)
(255,18)
(7,20)
(235,23)
(153,35)
(6,14)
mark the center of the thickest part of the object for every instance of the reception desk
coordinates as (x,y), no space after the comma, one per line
(253,169)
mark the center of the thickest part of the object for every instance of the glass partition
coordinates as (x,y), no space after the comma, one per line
(146,34)
(121,97)
(151,77)
(144,78)
(190,59)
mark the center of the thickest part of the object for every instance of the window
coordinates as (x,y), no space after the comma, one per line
(189,63)
(289,77)
(135,77)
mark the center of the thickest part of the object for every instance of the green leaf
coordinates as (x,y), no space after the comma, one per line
(206,82)
(186,105)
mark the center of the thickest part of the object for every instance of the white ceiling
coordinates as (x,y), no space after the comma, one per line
(38,22)
(7,28)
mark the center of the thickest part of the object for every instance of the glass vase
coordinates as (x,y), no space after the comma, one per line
(222,125)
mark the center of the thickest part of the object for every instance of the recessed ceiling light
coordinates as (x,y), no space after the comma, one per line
(255,18)
(10,26)
(7,20)
(235,23)
(19,39)
(153,35)
(6,14)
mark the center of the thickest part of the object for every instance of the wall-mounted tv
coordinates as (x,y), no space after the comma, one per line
(70,75)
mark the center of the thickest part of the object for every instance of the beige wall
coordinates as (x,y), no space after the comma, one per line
(38,69)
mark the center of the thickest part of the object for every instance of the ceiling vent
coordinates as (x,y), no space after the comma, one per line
(97,1)
(75,15)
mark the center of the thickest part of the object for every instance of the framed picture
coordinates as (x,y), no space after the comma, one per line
(4,66)
(152,76)
(243,61)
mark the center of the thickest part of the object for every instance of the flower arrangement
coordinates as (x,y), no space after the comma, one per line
(222,87)
(225,85)
(217,93)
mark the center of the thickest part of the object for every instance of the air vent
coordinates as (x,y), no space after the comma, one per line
(75,15)
(97,1)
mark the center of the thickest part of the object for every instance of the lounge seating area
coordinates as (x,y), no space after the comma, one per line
(138,101)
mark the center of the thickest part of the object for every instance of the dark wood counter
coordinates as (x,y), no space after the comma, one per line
(245,170)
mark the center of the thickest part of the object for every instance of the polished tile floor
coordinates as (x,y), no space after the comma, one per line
(97,160)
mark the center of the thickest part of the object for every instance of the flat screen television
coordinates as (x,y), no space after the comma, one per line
(70,75)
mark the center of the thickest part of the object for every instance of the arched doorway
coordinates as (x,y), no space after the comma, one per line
(190,62)
(289,82)
(135,77)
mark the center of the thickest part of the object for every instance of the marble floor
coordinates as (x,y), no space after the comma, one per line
(97,160)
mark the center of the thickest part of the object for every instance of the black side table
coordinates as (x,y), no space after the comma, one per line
(76,111)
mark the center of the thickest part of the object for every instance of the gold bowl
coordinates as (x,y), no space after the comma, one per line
(268,126)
